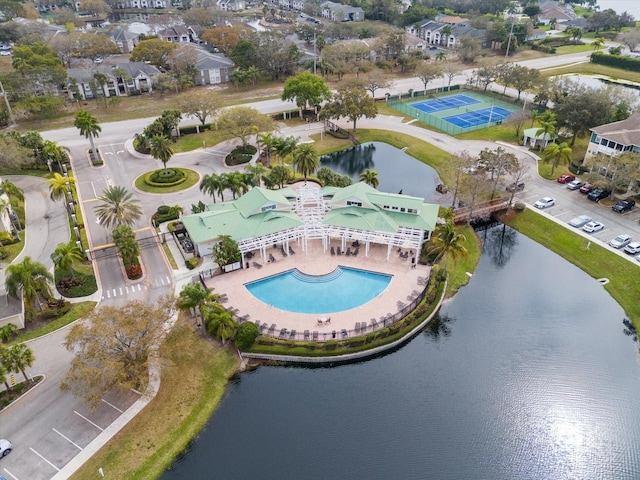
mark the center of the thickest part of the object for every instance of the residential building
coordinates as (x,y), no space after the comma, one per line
(141,4)
(212,68)
(232,5)
(179,34)
(337,12)
(555,11)
(444,34)
(124,39)
(129,78)
(262,218)
(615,138)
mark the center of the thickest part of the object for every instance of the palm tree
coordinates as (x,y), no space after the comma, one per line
(546,128)
(89,127)
(6,208)
(65,255)
(28,276)
(118,208)
(219,322)
(255,173)
(161,149)
(267,140)
(446,31)
(60,187)
(283,146)
(211,184)
(557,154)
(305,159)
(236,183)
(598,43)
(446,242)
(370,177)
(54,153)
(19,358)
(8,331)
(441,56)
(126,244)
(11,190)
(194,296)
(4,370)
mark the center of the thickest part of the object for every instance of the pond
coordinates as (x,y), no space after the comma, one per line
(600,82)
(397,171)
(526,374)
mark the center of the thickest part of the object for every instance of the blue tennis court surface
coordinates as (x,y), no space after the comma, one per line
(478,117)
(446,103)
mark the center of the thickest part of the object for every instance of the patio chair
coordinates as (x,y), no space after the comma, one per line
(263,327)
(344,333)
(320,322)
(272,259)
(257,265)
(283,333)
(348,251)
(333,251)
(272,329)
(339,252)
(363,327)
(283,252)
(374,324)
(292,335)
(315,336)
(306,334)
(291,251)
(357,327)
(356,251)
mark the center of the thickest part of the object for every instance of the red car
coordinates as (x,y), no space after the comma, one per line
(586,188)
(566,178)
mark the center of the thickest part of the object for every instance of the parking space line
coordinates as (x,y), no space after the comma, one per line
(68,439)
(82,416)
(112,406)
(57,469)
(11,474)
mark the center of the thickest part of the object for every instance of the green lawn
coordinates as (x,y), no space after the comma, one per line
(590,257)
(566,49)
(78,310)
(193,141)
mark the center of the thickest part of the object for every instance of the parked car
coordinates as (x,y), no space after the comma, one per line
(598,194)
(624,206)
(593,227)
(574,185)
(579,221)
(545,202)
(566,178)
(586,188)
(515,187)
(5,447)
(620,241)
(632,248)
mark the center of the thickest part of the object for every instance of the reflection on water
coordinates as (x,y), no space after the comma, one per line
(536,381)
(397,171)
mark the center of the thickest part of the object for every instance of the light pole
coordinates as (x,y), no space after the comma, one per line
(6,101)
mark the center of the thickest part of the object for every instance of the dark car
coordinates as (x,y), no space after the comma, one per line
(515,187)
(566,178)
(598,194)
(624,206)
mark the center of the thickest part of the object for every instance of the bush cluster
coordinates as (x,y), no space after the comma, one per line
(616,61)
(164,214)
(55,312)
(193,129)
(191,263)
(158,179)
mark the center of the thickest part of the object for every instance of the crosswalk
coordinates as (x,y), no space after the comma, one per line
(133,289)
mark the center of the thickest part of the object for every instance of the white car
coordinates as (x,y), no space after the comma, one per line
(545,202)
(593,227)
(620,241)
(632,248)
(574,185)
(5,447)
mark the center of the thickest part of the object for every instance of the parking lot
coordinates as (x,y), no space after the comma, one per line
(571,203)
(47,455)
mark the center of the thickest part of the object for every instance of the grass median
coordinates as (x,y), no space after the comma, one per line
(194,377)
(588,255)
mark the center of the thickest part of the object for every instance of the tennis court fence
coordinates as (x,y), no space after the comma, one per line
(402,103)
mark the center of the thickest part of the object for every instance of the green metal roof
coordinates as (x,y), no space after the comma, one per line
(251,202)
(361,218)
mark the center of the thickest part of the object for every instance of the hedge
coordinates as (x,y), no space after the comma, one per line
(193,129)
(625,63)
(149,181)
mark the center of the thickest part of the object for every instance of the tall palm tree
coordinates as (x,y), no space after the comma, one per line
(118,207)
(370,177)
(557,154)
(65,255)
(305,159)
(546,128)
(60,187)
(598,43)
(441,56)
(446,31)
(28,276)
(161,149)
(195,295)
(89,127)
(446,242)
(267,140)
(211,185)
(219,322)
(284,146)
(20,357)
(236,183)
(3,371)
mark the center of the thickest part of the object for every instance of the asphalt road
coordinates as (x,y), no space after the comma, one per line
(48,427)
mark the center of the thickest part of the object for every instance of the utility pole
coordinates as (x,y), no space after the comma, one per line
(314,53)
(6,101)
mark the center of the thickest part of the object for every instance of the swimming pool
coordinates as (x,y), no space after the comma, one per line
(340,290)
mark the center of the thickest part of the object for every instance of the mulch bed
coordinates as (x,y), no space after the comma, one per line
(18,390)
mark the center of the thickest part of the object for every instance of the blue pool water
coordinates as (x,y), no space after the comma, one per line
(340,290)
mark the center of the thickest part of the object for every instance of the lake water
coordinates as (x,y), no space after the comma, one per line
(397,171)
(630,6)
(527,374)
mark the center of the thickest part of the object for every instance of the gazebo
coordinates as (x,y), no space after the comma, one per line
(536,140)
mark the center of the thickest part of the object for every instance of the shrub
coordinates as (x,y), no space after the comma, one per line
(191,263)
(245,335)
(519,206)
(134,271)
(56,311)
(616,61)
(176,178)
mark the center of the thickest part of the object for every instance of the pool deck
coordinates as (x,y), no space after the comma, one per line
(316,262)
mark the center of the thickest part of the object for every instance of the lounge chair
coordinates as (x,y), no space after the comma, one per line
(339,252)
(272,259)
(356,251)
(363,327)
(283,251)
(272,329)
(306,334)
(357,327)
(263,327)
(244,318)
(283,333)
(256,264)
(333,250)
(344,333)
(315,336)
(291,251)
(374,324)
(292,335)
(348,251)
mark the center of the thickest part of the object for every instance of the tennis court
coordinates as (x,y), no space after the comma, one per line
(445,103)
(478,117)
